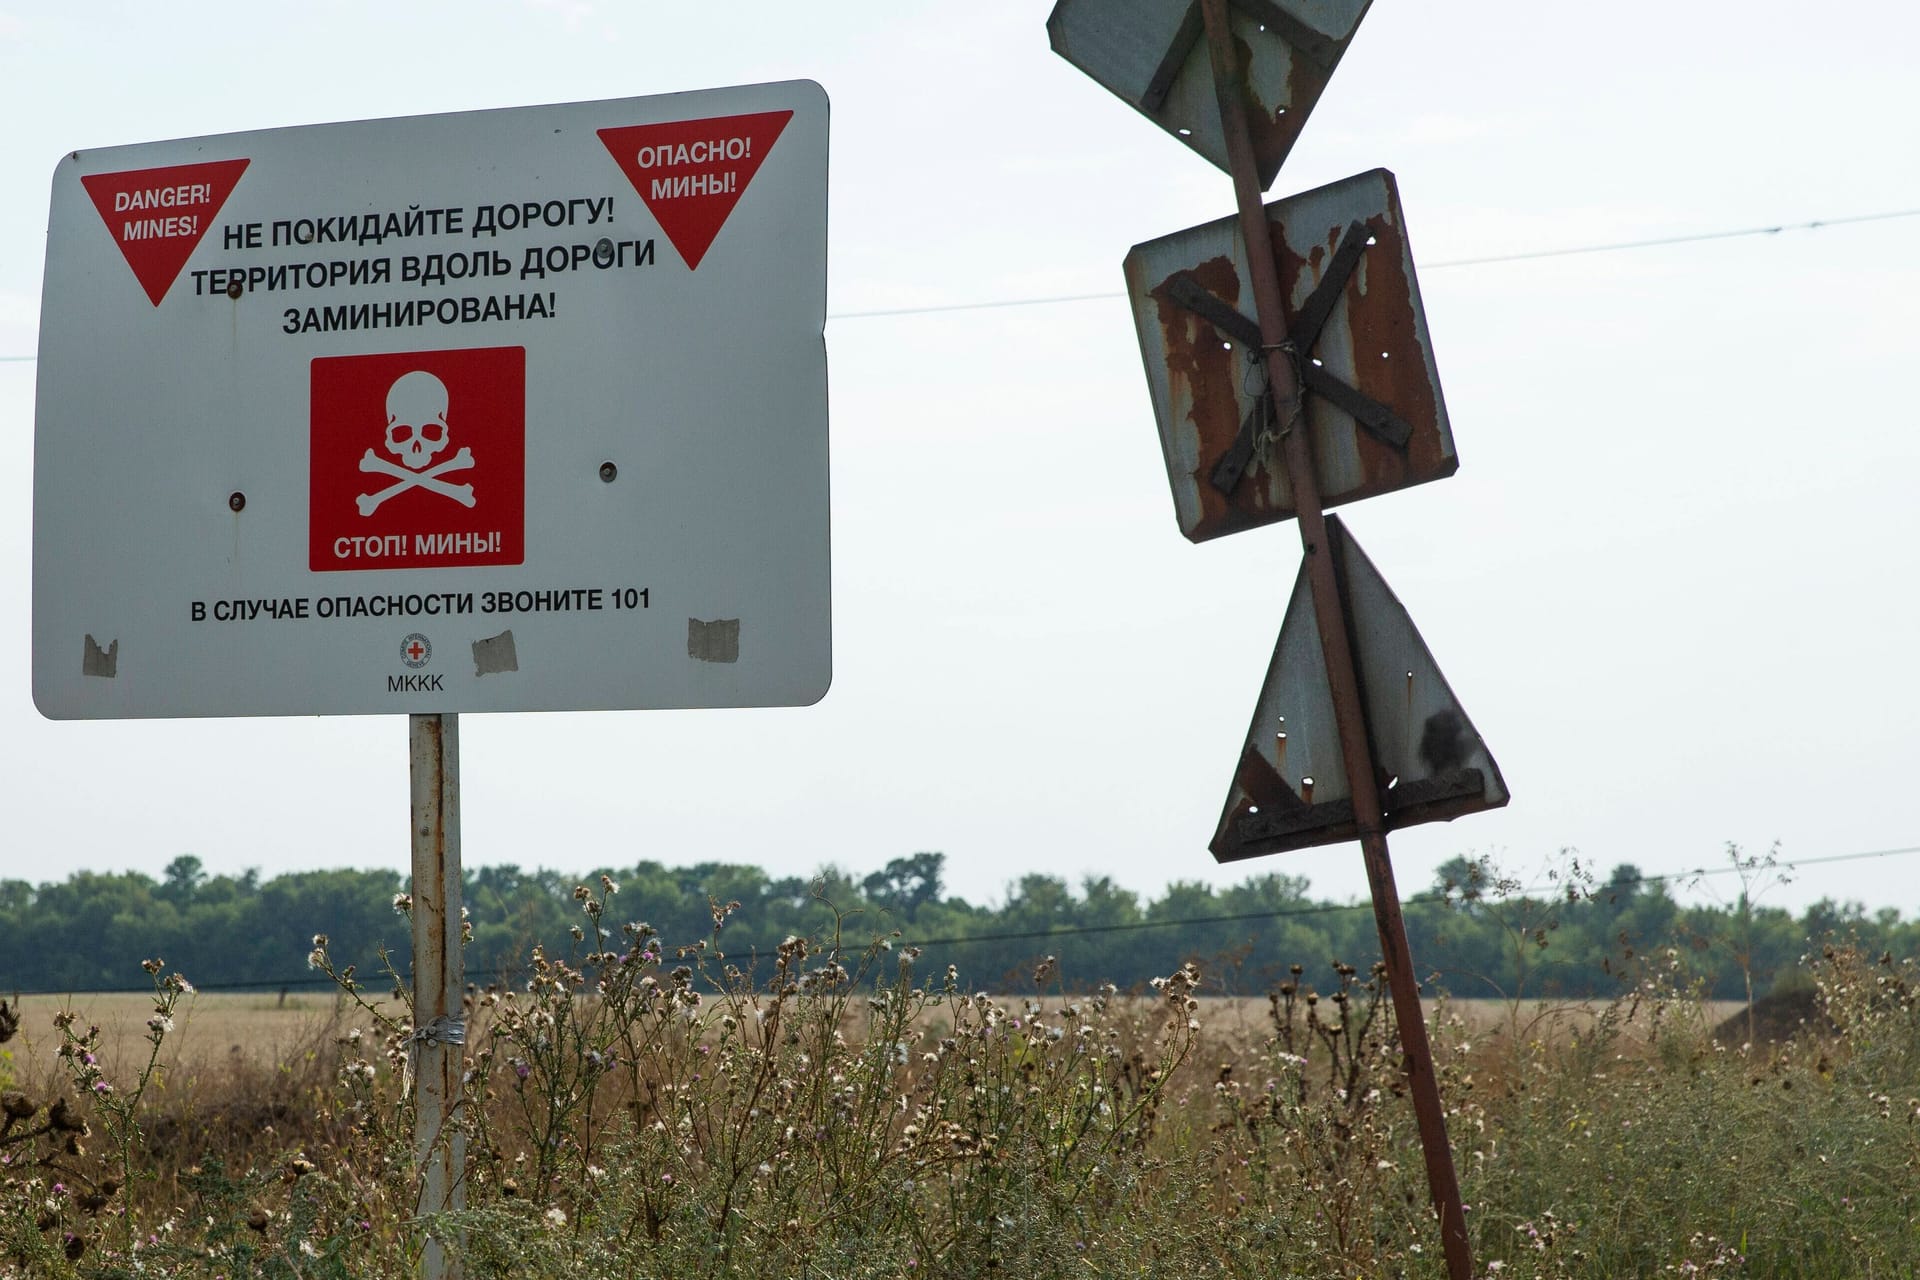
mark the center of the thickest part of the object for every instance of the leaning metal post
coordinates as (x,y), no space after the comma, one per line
(1335,641)
(440,1150)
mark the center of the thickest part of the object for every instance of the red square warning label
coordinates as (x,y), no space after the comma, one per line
(418,459)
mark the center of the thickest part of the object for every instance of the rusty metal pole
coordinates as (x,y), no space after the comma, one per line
(1335,640)
(440,1150)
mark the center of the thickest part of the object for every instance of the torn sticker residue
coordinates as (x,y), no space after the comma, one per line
(495,654)
(95,661)
(716,641)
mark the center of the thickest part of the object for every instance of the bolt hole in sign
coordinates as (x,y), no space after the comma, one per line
(519,400)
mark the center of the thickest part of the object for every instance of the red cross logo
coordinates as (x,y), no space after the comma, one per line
(415,650)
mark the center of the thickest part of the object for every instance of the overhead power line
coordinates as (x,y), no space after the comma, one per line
(1816,224)
(1072,931)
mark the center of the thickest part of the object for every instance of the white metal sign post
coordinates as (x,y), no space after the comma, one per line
(513,410)
(439,978)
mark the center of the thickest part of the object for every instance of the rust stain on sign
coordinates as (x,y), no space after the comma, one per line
(1363,353)
(1152,55)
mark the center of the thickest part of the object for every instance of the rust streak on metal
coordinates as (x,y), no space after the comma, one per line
(1380,313)
(1336,639)
(1379,310)
(1274,133)
(1198,357)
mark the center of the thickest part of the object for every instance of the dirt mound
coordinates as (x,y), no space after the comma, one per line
(1776,1018)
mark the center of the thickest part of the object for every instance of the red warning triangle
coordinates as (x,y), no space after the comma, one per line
(158,216)
(692,172)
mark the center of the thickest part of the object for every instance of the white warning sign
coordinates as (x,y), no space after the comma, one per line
(478,412)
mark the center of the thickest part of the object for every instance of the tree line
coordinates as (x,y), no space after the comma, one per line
(1477,933)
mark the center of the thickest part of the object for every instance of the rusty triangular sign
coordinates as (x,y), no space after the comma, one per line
(1290,787)
(1152,54)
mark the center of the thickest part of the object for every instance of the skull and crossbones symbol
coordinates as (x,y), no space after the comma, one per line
(416,432)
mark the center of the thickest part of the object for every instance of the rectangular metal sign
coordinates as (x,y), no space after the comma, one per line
(1358,337)
(497,411)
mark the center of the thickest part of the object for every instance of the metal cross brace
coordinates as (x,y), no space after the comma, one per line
(1383,423)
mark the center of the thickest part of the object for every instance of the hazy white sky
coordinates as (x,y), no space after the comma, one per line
(1673,581)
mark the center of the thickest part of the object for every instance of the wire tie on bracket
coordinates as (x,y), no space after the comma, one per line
(1271,433)
(445,1030)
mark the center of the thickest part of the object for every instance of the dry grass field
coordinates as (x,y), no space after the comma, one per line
(266,1032)
(211,1030)
(668,1121)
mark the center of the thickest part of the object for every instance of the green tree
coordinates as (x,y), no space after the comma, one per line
(906,884)
(182,877)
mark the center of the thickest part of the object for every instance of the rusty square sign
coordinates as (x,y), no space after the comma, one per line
(1290,788)
(1360,344)
(1153,55)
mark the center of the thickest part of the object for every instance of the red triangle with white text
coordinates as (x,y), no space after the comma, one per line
(692,173)
(158,216)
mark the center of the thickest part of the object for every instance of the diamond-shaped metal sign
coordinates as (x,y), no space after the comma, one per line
(1290,788)
(1153,55)
(1360,346)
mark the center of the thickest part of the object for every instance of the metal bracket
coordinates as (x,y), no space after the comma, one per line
(1186,290)
(1246,442)
(1191,29)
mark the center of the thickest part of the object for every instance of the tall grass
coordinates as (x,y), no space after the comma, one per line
(639,1108)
